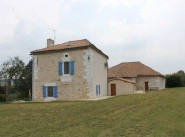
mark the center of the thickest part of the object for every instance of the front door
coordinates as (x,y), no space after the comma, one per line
(113,89)
(146,86)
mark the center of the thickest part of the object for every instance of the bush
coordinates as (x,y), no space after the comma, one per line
(12,97)
(2,98)
(173,80)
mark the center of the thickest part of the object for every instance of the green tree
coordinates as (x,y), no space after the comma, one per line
(174,80)
(181,74)
(11,71)
(25,81)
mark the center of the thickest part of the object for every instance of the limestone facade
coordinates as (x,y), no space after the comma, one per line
(121,87)
(154,83)
(81,85)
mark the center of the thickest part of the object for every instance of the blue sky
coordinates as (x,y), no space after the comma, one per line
(150,31)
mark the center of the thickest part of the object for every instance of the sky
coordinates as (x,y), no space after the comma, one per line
(149,31)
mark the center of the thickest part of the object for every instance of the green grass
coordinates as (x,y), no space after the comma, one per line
(154,114)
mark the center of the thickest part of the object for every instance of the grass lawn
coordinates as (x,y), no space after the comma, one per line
(154,114)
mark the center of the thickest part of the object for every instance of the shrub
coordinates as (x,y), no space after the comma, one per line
(173,80)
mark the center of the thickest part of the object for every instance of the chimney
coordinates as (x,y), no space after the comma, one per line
(50,42)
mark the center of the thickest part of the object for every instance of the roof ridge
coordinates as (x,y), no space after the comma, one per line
(76,40)
(132,62)
(124,63)
(132,69)
(75,44)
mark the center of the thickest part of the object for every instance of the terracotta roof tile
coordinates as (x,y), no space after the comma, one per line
(77,44)
(121,79)
(132,69)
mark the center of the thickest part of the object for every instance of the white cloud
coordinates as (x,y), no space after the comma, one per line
(158,32)
(117,3)
(151,31)
(34,13)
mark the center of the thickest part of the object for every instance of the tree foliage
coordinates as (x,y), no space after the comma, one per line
(176,79)
(17,77)
(12,69)
(25,81)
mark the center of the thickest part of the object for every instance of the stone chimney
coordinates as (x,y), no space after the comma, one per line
(50,42)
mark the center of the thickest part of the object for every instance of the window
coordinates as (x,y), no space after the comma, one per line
(98,90)
(66,67)
(50,91)
(66,55)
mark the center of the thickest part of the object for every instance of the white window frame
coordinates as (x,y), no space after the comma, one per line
(64,68)
(49,85)
(65,77)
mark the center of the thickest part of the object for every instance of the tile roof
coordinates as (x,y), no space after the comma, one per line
(132,69)
(121,79)
(71,45)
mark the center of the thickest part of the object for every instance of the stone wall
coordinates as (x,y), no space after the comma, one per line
(122,88)
(99,73)
(47,67)
(154,82)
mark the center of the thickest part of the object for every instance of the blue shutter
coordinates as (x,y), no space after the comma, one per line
(55,92)
(44,91)
(96,90)
(72,67)
(99,89)
(60,68)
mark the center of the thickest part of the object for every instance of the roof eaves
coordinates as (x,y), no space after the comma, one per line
(99,51)
(159,75)
(57,50)
(121,79)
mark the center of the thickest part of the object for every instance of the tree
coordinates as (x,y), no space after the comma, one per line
(181,74)
(176,79)
(173,80)
(11,71)
(25,81)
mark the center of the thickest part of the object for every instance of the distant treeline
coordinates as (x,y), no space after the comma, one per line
(176,79)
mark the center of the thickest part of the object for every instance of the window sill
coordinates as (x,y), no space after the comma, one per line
(50,99)
(66,78)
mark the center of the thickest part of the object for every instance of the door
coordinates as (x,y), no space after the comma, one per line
(113,89)
(146,86)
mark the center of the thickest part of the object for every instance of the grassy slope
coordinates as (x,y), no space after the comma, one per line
(153,114)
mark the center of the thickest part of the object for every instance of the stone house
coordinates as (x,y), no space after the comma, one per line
(143,76)
(69,71)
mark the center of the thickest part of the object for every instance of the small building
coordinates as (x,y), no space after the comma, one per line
(145,77)
(69,71)
(120,86)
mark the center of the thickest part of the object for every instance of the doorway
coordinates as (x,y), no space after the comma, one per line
(113,89)
(146,86)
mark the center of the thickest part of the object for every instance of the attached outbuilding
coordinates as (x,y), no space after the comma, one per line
(146,78)
(120,86)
